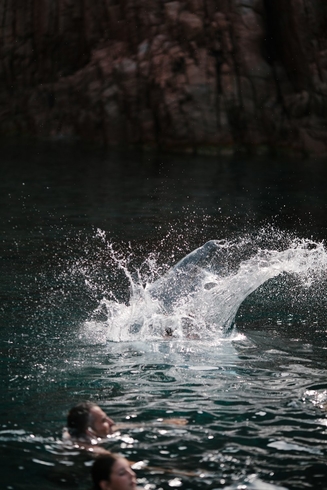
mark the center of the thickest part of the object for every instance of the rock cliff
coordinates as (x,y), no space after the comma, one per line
(192,74)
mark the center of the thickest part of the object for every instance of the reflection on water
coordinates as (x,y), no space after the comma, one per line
(92,276)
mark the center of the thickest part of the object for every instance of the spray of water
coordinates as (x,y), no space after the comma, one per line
(198,298)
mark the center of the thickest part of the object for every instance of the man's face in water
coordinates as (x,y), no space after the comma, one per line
(101,424)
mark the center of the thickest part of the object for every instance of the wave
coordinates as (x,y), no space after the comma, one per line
(199,297)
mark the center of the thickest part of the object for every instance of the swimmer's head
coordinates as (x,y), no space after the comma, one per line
(113,472)
(87,419)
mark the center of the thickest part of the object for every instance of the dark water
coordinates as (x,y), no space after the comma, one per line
(85,234)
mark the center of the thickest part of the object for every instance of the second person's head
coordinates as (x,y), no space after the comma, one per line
(113,472)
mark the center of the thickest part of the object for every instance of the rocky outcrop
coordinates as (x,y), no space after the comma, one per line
(192,74)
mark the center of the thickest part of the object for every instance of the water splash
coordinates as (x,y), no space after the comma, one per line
(198,298)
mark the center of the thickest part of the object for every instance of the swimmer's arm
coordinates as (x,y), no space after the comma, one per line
(173,421)
(131,425)
(140,465)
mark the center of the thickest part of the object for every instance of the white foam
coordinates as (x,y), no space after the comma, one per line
(199,297)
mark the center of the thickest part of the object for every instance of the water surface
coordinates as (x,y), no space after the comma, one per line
(90,240)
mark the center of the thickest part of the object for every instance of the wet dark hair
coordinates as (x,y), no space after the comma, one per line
(78,418)
(101,469)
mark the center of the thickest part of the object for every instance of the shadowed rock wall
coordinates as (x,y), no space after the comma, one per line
(193,74)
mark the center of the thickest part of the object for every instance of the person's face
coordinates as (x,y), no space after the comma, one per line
(100,423)
(122,477)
